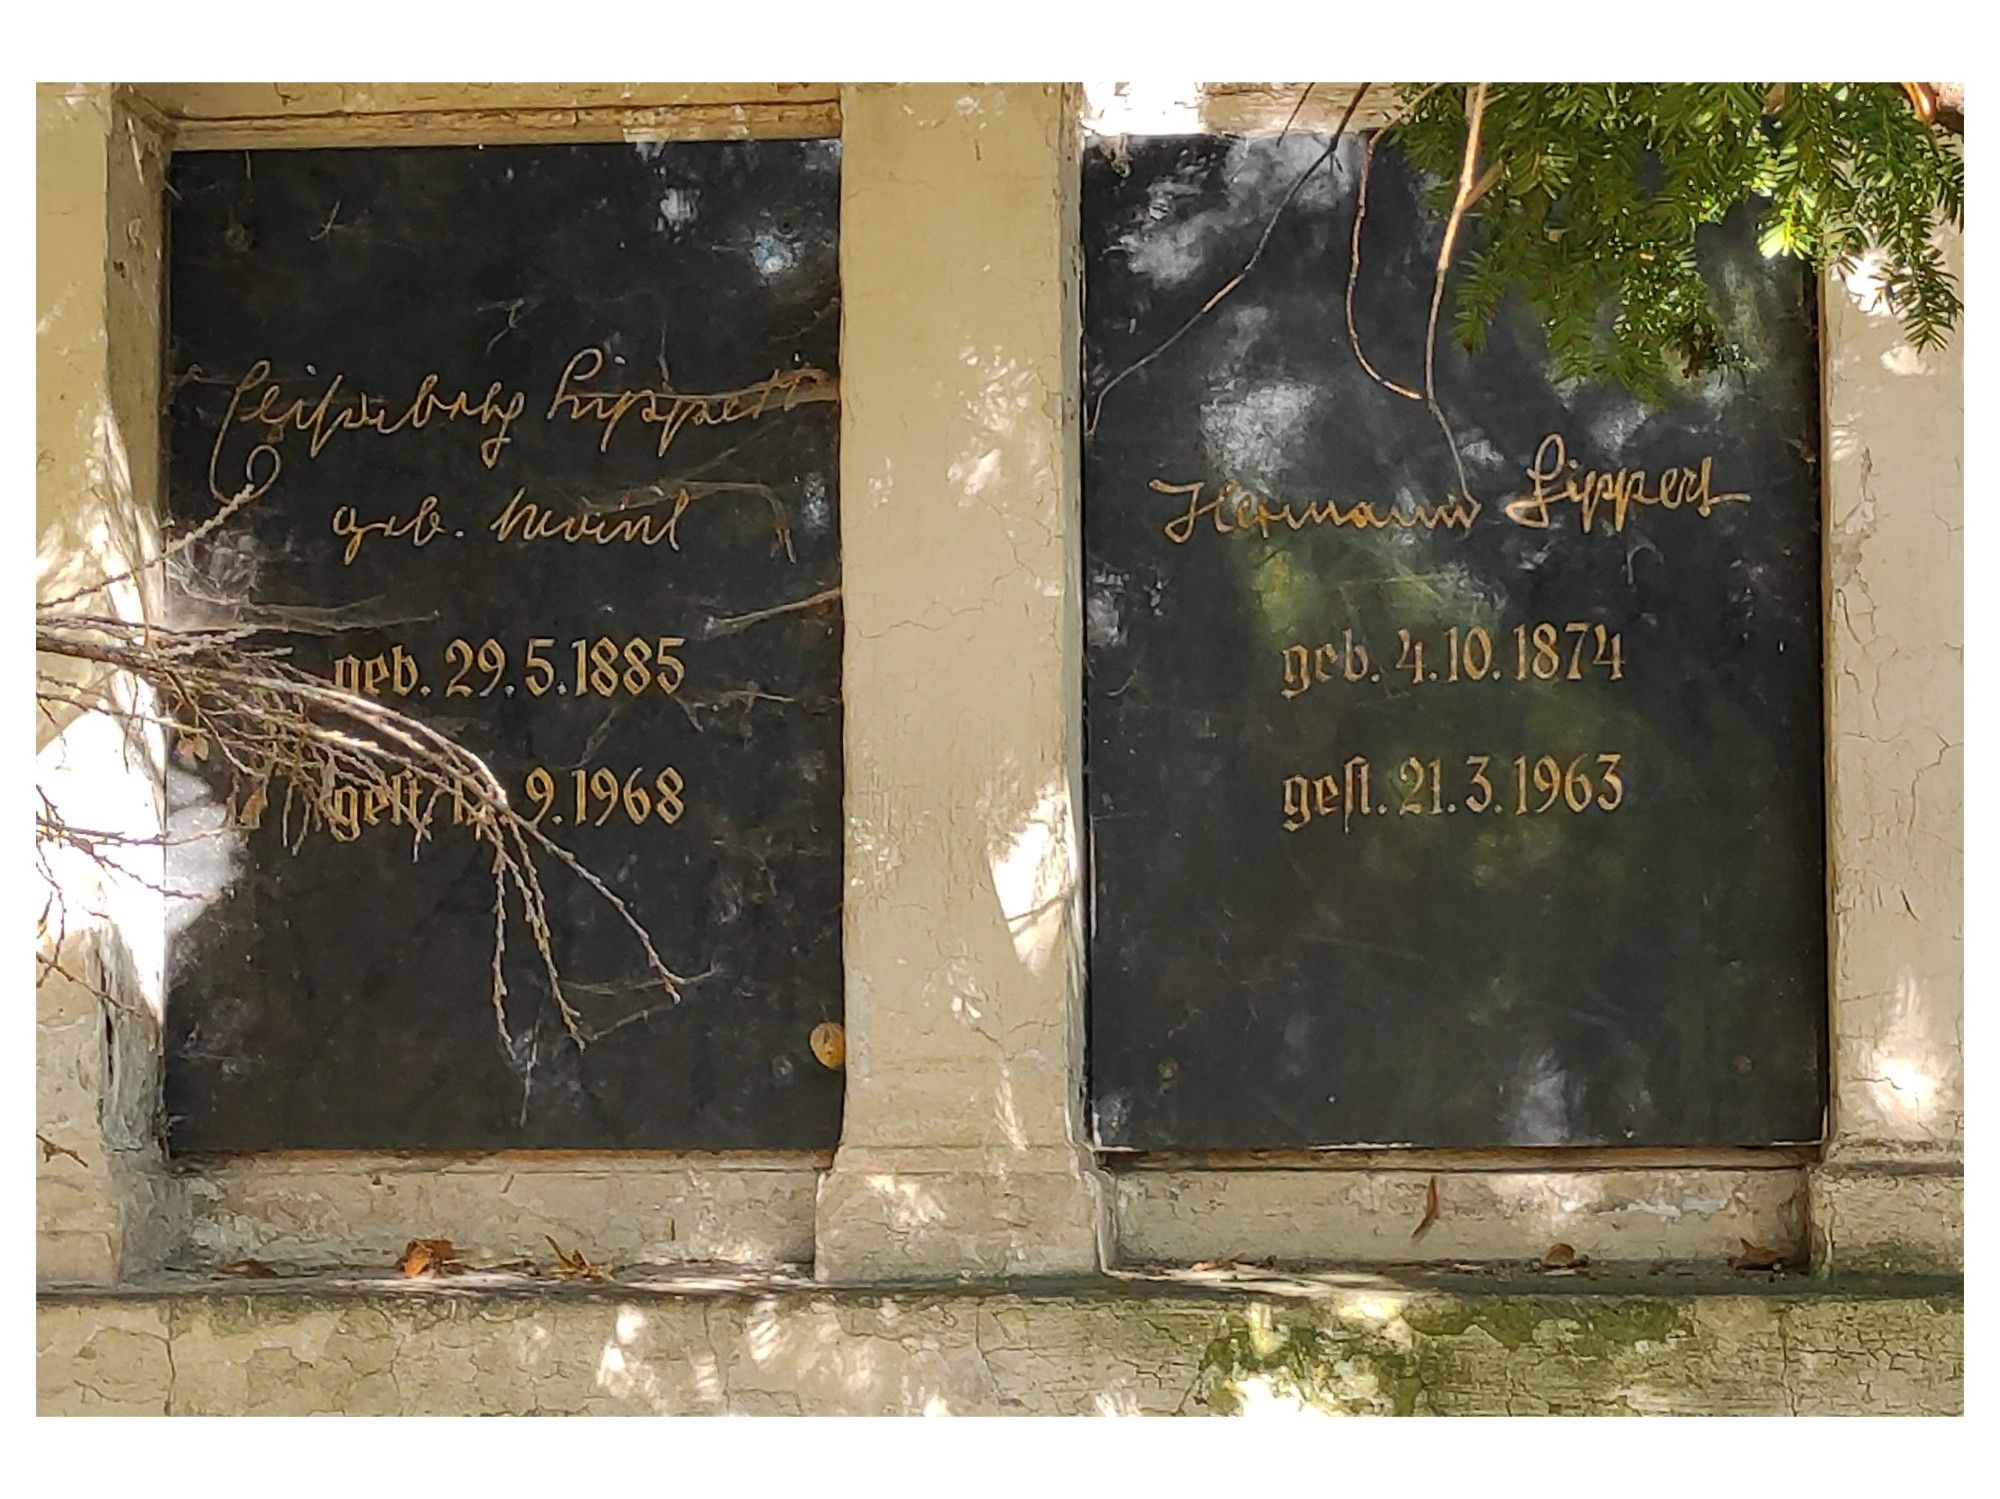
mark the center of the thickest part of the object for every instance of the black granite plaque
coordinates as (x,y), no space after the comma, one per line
(1421,817)
(559,422)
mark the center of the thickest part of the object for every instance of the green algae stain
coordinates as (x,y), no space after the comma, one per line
(1339,1369)
(1586,1326)
(1343,1368)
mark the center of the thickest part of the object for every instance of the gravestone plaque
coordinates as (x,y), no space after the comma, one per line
(539,444)
(1426,813)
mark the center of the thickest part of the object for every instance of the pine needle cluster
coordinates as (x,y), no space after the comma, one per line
(1590,198)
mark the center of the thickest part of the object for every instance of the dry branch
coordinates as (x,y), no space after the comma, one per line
(290,742)
(1270,225)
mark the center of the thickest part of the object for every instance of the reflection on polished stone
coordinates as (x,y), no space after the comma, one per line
(560,422)
(1425,814)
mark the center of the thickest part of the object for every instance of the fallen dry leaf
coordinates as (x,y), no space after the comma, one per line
(829,1044)
(572,1265)
(1757,1257)
(251,813)
(1430,1210)
(247,1269)
(429,1257)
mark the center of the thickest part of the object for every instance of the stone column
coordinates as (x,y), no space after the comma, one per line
(963,1152)
(104,1204)
(1890,1191)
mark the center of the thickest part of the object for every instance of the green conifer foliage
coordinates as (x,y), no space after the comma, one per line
(1592,195)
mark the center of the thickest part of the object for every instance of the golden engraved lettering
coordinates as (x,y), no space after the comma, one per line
(1610,493)
(1542,785)
(671,410)
(1298,670)
(342,809)
(605,666)
(399,800)
(1311,797)
(260,401)
(420,527)
(254,484)
(392,673)
(1235,509)
(599,796)
(1544,651)
(524,520)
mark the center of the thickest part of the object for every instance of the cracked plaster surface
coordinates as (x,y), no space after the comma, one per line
(1307,1347)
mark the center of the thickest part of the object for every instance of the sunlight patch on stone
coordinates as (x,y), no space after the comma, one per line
(1142,108)
(1899,1074)
(1034,876)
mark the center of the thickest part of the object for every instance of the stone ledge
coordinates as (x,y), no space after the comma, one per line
(896,1217)
(1887,1216)
(718,1342)
(1635,1216)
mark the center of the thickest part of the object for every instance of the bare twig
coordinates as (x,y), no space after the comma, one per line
(1293,118)
(1475,112)
(180,544)
(1097,406)
(1470,189)
(287,737)
(737,622)
(50,1150)
(1354,245)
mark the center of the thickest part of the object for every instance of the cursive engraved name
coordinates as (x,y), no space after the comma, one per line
(259,401)
(671,410)
(1595,492)
(524,520)
(1234,510)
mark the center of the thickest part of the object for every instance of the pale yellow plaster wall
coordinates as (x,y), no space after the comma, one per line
(87,277)
(958,561)
(618,1210)
(1262,1345)
(1895,488)
(238,116)
(103,1204)
(1891,1192)
(962,1149)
